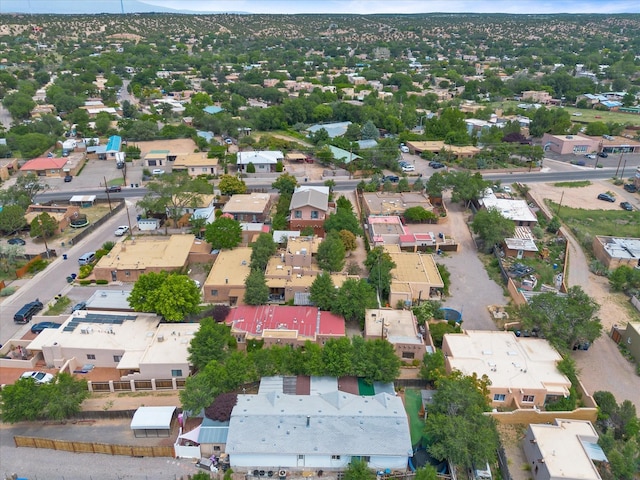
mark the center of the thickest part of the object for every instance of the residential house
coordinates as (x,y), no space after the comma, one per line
(195,164)
(343,156)
(45,166)
(225,282)
(136,344)
(133,257)
(62,214)
(389,230)
(415,276)
(309,207)
(394,203)
(565,449)
(314,424)
(630,336)
(8,166)
(521,245)
(283,325)
(158,158)
(536,96)
(249,207)
(400,329)
(523,371)
(264,161)
(613,252)
(518,211)
(114,145)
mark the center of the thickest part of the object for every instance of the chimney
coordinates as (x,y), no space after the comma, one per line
(308,420)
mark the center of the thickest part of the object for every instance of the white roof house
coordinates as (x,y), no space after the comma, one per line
(263,160)
(516,210)
(566,449)
(323,429)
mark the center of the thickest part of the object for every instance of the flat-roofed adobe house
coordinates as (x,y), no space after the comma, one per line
(195,164)
(225,282)
(136,344)
(309,207)
(264,161)
(523,371)
(316,424)
(415,277)
(616,251)
(400,329)
(565,449)
(132,257)
(283,325)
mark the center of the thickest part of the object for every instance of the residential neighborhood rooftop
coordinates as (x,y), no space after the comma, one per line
(149,252)
(231,267)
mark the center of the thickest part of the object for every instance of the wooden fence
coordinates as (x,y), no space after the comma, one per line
(90,447)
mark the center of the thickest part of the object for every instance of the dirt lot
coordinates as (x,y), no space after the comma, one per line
(179,145)
(582,197)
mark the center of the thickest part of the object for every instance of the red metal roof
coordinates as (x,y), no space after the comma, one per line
(256,319)
(44,163)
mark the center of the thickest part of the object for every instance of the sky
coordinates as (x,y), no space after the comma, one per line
(323,6)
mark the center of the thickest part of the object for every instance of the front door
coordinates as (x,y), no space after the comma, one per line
(300,460)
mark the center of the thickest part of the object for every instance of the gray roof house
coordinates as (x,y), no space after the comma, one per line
(322,429)
(317,197)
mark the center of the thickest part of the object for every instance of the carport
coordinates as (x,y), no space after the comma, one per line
(153,421)
(83,200)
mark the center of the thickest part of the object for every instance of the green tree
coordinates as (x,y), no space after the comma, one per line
(262,250)
(433,366)
(379,265)
(428,472)
(331,253)
(348,240)
(256,289)
(172,296)
(565,321)
(223,232)
(337,356)
(597,129)
(231,185)
(19,105)
(466,187)
(369,131)
(418,214)
(24,191)
(624,278)
(285,184)
(44,225)
(210,342)
(353,298)
(12,219)
(457,428)
(358,470)
(171,193)
(343,219)
(492,227)
(65,396)
(322,291)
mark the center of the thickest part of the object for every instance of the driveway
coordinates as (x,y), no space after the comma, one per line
(471,291)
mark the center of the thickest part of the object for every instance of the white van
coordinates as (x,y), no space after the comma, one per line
(87,258)
(404,149)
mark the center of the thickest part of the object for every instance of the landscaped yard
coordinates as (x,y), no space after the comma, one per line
(413,405)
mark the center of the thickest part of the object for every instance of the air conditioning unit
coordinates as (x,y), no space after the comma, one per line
(161,338)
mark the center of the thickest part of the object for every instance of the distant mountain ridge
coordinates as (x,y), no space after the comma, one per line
(93,7)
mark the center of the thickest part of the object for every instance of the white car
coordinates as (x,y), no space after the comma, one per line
(197,282)
(157,171)
(404,149)
(408,168)
(38,377)
(121,230)
(506,189)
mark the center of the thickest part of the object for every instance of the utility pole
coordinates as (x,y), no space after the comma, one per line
(619,162)
(560,204)
(106,188)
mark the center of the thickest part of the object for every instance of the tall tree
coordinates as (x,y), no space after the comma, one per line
(231,185)
(44,225)
(369,131)
(285,184)
(354,297)
(337,356)
(12,219)
(566,321)
(172,296)
(262,250)
(210,342)
(171,194)
(379,265)
(224,232)
(331,253)
(323,292)
(492,227)
(256,289)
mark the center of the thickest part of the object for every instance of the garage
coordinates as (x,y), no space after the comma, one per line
(153,421)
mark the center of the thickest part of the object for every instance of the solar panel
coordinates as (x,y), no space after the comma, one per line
(69,328)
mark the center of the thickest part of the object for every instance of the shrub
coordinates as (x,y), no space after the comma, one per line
(5,292)
(84,271)
(84,282)
(108,246)
(251,168)
(38,265)
(102,282)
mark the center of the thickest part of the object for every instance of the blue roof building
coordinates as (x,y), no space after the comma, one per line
(212,109)
(113,145)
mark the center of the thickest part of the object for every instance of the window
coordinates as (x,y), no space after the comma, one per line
(314,214)
(90,356)
(528,398)
(214,293)
(127,273)
(499,397)
(176,373)
(298,214)
(193,169)
(335,457)
(117,358)
(408,354)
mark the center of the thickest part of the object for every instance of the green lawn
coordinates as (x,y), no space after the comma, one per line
(413,404)
(587,115)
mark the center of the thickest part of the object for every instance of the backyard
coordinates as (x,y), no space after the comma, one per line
(413,406)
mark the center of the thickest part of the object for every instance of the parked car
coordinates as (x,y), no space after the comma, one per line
(404,149)
(506,189)
(79,306)
(391,178)
(38,377)
(67,178)
(16,241)
(121,230)
(603,155)
(157,171)
(408,168)
(626,206)
(113,188)
(592,156)
(606,197)
(630,187)
(38,327)
(436,165)
(27,311)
